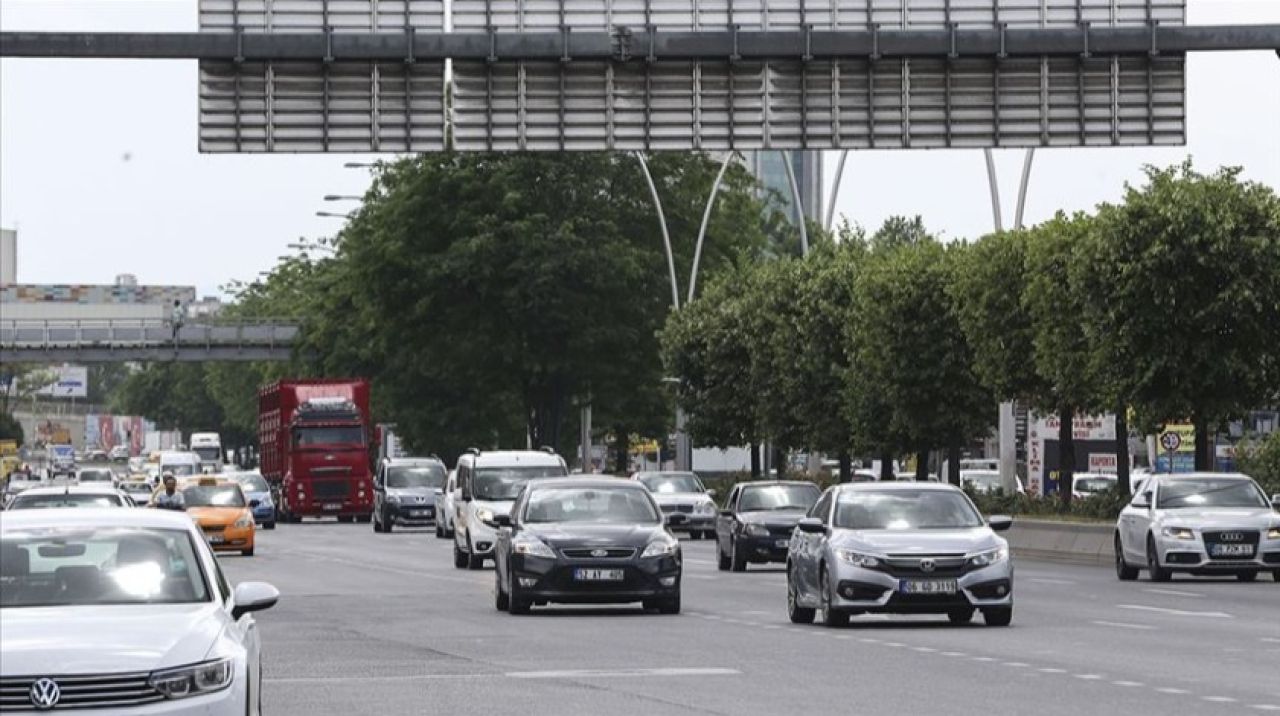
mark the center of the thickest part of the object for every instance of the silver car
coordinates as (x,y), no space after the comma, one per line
(682,493)
(899,548)
(1201,523)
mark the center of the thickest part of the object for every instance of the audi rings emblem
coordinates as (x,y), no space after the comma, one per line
(1232,536)
(45,694)
(928,565)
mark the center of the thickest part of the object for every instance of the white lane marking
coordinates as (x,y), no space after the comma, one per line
(1175,692)
(1088,677)
(1128,683)
(923,649)
(954,653)
(894,644)
(1051,670)
(1046,580)
(1219,699)
(1017,664)
(1270,640)
(1265,707)
(621,673)
(707,562)
(1175,612)
(983,658)
(868,640)
(1173,592)
(1123,625)
(341,679)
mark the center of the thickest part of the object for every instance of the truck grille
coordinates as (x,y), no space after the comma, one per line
(324,489)
(82,691)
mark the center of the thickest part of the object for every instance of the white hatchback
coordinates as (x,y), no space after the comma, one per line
(124,610)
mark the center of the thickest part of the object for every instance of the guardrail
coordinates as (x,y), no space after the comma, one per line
(104,340)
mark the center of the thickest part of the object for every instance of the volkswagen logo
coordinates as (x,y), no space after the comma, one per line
(598,553)
(44,694)
(928,565)
(421,498)
(1232,537)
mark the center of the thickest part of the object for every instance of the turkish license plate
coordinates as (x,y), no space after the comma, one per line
(782,543)
(598,575)
(421,513)
(1231,550)
(333,505)
(927,586)
(216,539)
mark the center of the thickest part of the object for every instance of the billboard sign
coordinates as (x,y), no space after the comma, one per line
(70,381)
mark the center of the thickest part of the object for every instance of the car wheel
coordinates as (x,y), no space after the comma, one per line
(737,561)
(1157,573)
(516,602)
(439,530)
(1124,572)
(501,601)
(346,518)
(246,552)
(669,605)
(797,613)
(998,616)
(960,616)
(364,518)
(377,525)
(830,616)
(722,559)
(1248,576)
(459,557)
(269,525)
(474,561)
(1276,576)
(387,522)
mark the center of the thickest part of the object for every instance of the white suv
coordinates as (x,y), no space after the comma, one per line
(488,483)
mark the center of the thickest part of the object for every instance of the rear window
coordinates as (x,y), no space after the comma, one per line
(213,496)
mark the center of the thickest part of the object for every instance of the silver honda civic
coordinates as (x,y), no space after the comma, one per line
(899,548)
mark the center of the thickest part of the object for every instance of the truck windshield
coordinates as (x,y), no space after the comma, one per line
(331,435)
(208,454)
(504,483)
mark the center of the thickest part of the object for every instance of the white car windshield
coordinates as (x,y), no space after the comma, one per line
(67,566)
(38,502)
(905,510)
(671,482)
(504,483)
(593,505)
(1210,493)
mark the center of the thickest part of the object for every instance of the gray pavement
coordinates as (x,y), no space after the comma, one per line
(372,623)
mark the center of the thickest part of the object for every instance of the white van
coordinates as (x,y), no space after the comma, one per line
(488,483)
(209,447)
(181,464)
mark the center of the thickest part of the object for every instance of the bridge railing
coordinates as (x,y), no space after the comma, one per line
(132,333)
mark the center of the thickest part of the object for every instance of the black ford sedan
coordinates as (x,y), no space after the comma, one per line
(758,518)
(585,540)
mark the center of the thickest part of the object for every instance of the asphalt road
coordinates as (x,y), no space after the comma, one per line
(371,623)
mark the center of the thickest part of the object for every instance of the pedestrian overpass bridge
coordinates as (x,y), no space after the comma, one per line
(146,340)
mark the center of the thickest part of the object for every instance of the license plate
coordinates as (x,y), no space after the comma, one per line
(927,586)
(1231,550)
(598,575)
(782,544)
(333,505)
(217,539)
(421,513)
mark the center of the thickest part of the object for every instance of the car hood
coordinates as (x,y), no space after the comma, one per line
(960,541)
(106,639)
(570,535)
(208,516)
(680,498)
(426,493)
(1211,517)
(772,518)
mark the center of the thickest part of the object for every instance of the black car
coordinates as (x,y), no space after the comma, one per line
(584,540)
(404,492)
(758,519)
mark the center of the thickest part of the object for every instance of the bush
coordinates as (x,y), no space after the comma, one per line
(1104,506)
(1259,458)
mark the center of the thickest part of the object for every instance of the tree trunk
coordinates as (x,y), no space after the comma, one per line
(780,461)
(922,465)
(846,466)
(621,450)
(886,465)
(1122,448)
(1066,454)
(755,460)
(1204,446)
(953,463)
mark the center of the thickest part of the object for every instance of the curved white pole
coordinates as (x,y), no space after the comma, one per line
(795,196)
(835,190)
(666,236)
(995,190)
(706,220)
(1022,188)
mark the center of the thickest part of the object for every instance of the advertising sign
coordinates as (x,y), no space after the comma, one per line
(72,381)
(1092,433)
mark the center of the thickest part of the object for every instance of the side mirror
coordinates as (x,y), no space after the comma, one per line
(254,503)
(501,520)
(999,523)
(711,492)
(1275,501)
(811,525)
(253,597)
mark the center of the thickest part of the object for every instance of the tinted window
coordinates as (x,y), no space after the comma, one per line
(71,566)
(213,496)
(1210,493)
(671,482)
(595,505)
(36,502)
(778,497)
(504,483)
(400,477)
(340,435)
(905,510)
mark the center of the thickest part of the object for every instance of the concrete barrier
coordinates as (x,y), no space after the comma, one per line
(1074,542)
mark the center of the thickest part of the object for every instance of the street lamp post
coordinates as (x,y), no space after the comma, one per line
(684,452)
(332,215)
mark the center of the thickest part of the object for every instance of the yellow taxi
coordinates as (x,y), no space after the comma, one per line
(220,508)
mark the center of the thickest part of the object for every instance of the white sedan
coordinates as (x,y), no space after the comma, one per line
(1200,523)
(124,610)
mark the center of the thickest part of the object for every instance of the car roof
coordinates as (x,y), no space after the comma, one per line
(72,489)
(512,458)
(1166,476)
(94,517)
(412,461)
(896,486)
(664,473)
(599,482)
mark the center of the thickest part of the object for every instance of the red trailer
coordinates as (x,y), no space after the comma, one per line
(313,438)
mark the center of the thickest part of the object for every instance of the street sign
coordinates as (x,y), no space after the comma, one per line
(1170,441)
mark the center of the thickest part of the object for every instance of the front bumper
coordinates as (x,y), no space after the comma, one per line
(554,580)
(764,549)
(413,514)
(481,538)
(264,513)
(857,589)
(231,539)
(227,702)
(1193,555)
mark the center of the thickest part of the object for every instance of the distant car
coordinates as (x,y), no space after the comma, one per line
(1086,484)
(95,475)
(985,482)
(488,483)
(119,453)
(758,518)
(899,548)
(97,455)
(911,477)
(123,611)
(682,494)
(221,510)
(256,489)
(1199,523)
(19,482)
(583,539)
(445,506)
(404,492)
(980,463)
(62,460)
(138,490)
(70,496)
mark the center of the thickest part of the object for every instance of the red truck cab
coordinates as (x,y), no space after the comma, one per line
(314,439)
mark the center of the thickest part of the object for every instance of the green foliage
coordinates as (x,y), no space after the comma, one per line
(176,396)
(10,428)
(1102,506)
(1260,459)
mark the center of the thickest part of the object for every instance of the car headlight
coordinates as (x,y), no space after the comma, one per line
(193,680)
(1273,533)
(707,508)
(755,530)
(484,514)
(246,520)
(990,557)
(662,548)
(858,559)
(393,499)
(1178,533)
(532,547)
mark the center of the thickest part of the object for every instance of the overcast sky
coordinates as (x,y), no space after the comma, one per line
(100,175)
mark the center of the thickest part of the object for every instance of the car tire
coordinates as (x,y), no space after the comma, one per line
(737,562)
(269,525)
(796,613)
(831,617)
(246,552)
(516,602)
(1124,572)
(1156,572)
(474,561)
(669,605)
(960,617)
(1247,576)
(439,530)
(387,522)
(1276,576)
(998,616)
(722,559)
(346,518)
(364,518)
(377,525)
(501,601)
(459,557)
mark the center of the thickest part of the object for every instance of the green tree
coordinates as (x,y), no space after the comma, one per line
(1185,276)
(1260,459)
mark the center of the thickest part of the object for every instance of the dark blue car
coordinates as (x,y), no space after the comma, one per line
(256,488)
